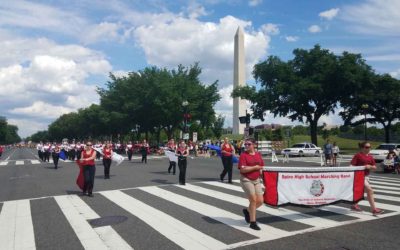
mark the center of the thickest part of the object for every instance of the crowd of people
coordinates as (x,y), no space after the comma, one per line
(250,163)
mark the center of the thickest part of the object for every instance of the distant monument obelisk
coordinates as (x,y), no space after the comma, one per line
(239,79)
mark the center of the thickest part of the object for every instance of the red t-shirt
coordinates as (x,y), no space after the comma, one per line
(87,155)
(248,160)
(361,159)
(107,153)
(228,148)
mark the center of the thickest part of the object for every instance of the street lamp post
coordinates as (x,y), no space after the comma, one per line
(365,108)
(185,116)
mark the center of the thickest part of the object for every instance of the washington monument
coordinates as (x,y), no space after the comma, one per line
(239,80)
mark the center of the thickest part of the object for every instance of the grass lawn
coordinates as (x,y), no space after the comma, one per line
(347,146)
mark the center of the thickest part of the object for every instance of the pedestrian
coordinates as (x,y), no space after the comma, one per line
(335,151)
(1,150)
(227,152)
(328,152)
(363,158)
(89,169)
(56,155)
(182,152)
(107,153)
(172,165)
(250,166)
(129,150)
(144,149)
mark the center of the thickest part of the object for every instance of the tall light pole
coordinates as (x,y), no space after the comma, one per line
(365,108)
(185,117)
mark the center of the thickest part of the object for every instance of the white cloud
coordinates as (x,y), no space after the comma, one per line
(104,31)
(27,127)
(255,2)
(384,58)
(377,17)
(184,41)
(395,74)
(41,80)
(42,109)
(329,14)
(270,29)
(314,29)
(292,38)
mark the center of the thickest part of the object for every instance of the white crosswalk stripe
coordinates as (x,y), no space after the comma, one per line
(17,224)
(3,163)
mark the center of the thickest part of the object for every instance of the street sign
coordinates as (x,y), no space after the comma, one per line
(194,136)
(186,136)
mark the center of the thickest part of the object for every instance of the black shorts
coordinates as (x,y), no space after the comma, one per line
(328,156)
(335,154)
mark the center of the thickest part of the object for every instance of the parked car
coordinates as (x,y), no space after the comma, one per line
(303,149)
(382,151)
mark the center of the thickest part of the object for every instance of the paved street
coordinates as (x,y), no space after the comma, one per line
(141,207)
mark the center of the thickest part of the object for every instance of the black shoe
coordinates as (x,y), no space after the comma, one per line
(246,215)
(230,182)
(82,194)
(221,178)
(253,225)
(90,195)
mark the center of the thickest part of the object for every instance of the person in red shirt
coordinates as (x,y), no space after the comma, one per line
(1,150)
(89,169)
(227,152)
(107,153)
(363,158)
(250,165)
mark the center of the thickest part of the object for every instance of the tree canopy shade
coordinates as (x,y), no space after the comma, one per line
(152,98)
(8,132)
(379,99)
(305,88)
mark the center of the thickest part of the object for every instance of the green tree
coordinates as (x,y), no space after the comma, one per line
(218,126)
(8,132)
(305,88)
(379,99)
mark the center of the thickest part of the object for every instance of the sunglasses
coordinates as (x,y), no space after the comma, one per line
(367,147)
(88,145)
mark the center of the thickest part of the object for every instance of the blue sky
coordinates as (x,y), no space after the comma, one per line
(55,53)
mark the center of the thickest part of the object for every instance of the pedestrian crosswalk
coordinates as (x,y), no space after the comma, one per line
(201,215)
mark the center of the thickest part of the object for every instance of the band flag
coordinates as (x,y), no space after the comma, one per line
(80,179)
(171,155)
(218,150)
(62,155)
(312,186)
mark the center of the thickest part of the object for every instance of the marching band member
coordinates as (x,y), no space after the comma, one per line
(144,150)
(55,155)
(89,169)
(227,151)
(172,165)
(182,152)
(107,153)
(129,150)
(72,152)
(250,165)
(39,148)
(46,152)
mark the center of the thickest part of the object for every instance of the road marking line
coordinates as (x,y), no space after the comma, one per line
(384,187)
(3,163)
(16,227)
(215,213)
(175,230)
(83,230)
(382,206)
(346,211)
(19,163)
(385,182)
(387,197)
(386,191)
(385,178)
(35,162)
(279,212)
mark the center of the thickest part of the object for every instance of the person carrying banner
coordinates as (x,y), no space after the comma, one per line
(107,153)
(56,155)
(144,148)
(89,169)
(250,166)
(182,152)
(363,158)
(172,165)
(227,152)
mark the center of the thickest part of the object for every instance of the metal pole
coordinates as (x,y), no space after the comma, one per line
(365,125)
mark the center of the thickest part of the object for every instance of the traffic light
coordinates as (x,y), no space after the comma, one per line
(242,119)
(248,118)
